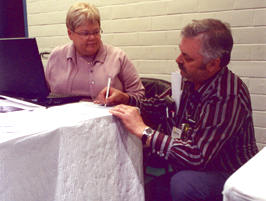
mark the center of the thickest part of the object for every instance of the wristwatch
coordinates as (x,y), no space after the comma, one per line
(146,134)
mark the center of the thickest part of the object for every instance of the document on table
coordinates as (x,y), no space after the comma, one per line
(8,104)
(81,110)
(39,120)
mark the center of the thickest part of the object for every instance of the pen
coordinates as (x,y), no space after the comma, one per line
(108,89)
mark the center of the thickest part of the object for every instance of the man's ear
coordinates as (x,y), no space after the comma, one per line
(214,65)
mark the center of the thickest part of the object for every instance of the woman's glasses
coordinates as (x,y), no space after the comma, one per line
(88,33)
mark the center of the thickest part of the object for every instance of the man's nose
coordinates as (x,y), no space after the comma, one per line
(179,59)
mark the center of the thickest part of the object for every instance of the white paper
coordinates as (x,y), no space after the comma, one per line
(8,104)
(176,81)
(76,151)
(31,122)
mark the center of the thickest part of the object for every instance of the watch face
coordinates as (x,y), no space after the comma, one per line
(148,131)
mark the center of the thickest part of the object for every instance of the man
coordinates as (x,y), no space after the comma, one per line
(213,134)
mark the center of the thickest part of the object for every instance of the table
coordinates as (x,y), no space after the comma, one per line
(248,183)
(74,152)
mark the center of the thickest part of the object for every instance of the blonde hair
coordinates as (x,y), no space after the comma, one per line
(81,13)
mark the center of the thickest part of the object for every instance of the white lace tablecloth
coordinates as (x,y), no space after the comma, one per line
(248,183)
(75,152)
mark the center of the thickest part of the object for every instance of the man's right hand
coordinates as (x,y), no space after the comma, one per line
(131,118)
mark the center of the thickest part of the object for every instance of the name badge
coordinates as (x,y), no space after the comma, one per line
(176,132)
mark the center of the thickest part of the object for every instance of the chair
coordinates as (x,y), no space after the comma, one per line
(153,88)
(153,106)
(45,54)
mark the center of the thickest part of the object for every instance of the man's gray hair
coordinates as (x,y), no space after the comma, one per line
(217,40)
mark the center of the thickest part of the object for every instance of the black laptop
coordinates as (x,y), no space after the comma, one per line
(22,74)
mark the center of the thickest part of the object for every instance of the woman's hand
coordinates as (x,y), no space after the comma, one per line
(115,97)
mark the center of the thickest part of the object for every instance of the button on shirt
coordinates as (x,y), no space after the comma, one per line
(69,73)
(220,133)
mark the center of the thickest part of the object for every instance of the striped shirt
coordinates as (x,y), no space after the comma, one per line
(216,124)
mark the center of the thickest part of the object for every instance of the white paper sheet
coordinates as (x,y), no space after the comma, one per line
(176,81)
(76,151)
(9,104)
(31,121)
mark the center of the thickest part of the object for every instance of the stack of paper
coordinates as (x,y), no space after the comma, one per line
(8,104)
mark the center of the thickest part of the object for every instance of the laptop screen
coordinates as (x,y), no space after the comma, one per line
(21,69)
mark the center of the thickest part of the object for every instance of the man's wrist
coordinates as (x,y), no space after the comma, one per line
(148,141)
(146,135)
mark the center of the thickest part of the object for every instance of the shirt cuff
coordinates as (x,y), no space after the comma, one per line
(161,144)
(133,101)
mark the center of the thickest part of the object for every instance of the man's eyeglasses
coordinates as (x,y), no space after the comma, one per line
(87,33)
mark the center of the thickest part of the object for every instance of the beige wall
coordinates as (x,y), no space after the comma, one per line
(149,31)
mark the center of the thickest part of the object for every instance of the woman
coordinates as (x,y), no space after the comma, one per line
(83,67)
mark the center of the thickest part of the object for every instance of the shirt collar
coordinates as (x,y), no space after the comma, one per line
(100,55)
(208,85)
(71,53)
